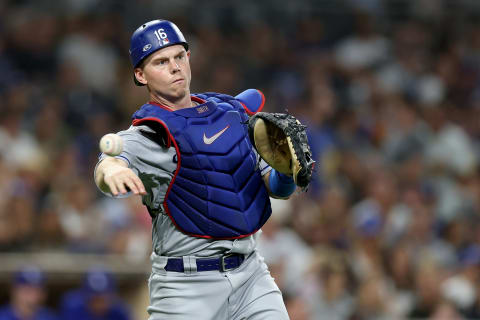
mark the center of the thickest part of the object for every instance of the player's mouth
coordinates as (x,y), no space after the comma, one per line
(179,80)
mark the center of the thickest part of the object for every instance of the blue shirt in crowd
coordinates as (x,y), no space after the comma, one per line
(74,306)
(7,313)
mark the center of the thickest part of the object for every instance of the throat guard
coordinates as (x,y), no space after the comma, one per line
(217,190)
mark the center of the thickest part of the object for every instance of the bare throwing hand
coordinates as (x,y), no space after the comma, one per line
(113,175)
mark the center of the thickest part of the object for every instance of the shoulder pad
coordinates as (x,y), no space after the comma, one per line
(158,132)
(252,100)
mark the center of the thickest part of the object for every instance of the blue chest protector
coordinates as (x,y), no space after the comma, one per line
(217,190)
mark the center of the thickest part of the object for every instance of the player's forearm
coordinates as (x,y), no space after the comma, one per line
(106,165)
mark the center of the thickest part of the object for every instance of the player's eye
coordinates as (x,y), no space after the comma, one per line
(180,56)
(161,62)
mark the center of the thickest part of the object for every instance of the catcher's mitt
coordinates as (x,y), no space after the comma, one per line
(280,139)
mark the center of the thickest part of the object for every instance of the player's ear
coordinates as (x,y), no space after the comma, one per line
(139,75)
(188,54)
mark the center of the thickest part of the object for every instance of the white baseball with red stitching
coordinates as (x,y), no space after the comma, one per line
(111,144)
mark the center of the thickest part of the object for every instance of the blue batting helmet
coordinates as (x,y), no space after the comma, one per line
(153,36)
(30,276)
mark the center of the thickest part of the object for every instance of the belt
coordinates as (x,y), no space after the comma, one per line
(224,263)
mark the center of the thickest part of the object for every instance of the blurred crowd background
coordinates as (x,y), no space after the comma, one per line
(389,89)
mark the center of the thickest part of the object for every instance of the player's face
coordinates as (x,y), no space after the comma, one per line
(167,73)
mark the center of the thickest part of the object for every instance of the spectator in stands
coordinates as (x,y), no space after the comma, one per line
(27,297)
(95,300)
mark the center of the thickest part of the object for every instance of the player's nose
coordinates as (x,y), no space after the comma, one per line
(174,67)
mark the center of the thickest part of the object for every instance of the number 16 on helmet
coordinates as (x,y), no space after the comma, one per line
(153,36)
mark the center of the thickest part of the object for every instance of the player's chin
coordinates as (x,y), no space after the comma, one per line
(180,86)
(180,92)
(174,95)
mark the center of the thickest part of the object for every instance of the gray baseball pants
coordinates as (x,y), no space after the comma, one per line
(248,292)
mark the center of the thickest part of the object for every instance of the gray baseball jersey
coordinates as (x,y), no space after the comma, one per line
(155,165)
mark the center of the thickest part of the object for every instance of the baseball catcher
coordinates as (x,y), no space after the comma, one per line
(281,140)
(205,183)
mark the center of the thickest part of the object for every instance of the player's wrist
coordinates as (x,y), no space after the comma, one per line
(281,185)
(283,178)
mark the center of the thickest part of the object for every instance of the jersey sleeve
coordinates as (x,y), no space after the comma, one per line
(127,155)
(153,163)
(132,147)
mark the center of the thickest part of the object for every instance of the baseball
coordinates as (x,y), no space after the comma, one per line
(111,144)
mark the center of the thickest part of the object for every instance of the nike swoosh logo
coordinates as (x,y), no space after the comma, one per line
(215,136)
